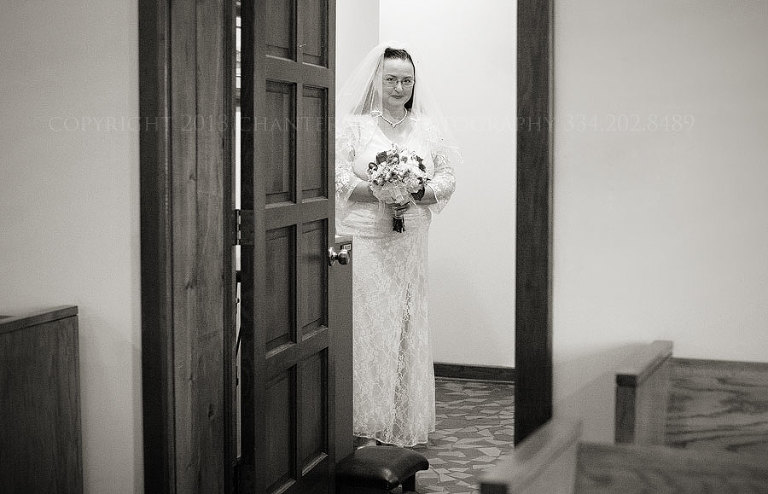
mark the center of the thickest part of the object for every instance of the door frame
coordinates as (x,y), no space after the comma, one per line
(535,168)
(533,280)
(188,415)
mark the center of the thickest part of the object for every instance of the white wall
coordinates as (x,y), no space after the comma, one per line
(468,50)
(661,233)
(357,31)
(69,205)
(472,263)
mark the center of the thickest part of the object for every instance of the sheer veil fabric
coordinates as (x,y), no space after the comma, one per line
(393,378)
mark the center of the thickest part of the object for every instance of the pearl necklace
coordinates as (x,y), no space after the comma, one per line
(390,122)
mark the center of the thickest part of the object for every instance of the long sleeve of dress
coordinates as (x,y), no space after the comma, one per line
(345,180)
(443,182)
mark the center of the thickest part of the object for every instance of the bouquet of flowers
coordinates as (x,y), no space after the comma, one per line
(396,174)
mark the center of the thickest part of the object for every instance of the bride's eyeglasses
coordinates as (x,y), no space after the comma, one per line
(391,82)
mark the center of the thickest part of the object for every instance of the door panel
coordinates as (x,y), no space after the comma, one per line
(281,18)
(287,174)
(314,23)
(314,380)
(279,302)
(281,165)
(314,280)
(315,145)
(280,437)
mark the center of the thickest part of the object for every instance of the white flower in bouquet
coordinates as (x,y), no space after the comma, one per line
(396,174)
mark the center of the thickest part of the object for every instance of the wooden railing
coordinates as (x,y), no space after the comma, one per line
(718,406)
(682,425)
(642,388)
(40,441)
(553,460)
(624,469)
(702,404)
(545,463)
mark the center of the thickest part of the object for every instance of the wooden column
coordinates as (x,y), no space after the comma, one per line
(186,78)
(533,315)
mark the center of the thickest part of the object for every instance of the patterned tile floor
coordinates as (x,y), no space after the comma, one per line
(475,423)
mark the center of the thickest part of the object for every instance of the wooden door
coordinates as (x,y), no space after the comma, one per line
(287,394)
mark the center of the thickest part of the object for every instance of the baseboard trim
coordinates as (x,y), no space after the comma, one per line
(475,372)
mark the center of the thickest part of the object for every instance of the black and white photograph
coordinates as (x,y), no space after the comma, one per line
(383,246)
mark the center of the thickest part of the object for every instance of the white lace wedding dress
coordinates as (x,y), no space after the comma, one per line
(393,379)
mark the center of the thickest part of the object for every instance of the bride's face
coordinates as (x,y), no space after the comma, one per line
(397,83)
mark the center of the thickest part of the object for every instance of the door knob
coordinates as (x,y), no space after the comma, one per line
(342,256)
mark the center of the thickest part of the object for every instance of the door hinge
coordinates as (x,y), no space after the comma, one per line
(242,227)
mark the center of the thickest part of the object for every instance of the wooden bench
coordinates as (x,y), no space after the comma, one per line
(40,438)
(554,460)
(690,403)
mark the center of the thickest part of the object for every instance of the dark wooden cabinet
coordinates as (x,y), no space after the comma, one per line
(40,440)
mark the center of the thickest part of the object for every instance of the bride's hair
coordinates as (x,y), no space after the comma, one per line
(401,54)
(398,53)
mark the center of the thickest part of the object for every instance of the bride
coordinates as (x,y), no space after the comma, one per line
(386,103)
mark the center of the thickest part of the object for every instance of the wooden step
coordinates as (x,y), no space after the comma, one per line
(554,460)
